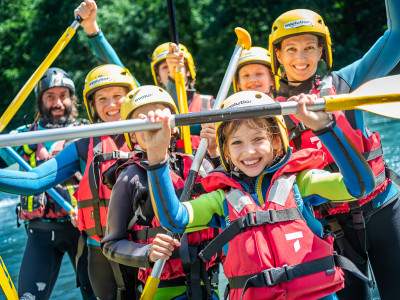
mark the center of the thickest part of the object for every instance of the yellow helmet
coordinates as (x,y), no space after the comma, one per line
(245,99)
(102,77)
(296,22)
(256,55)
(160,54)
(146,94)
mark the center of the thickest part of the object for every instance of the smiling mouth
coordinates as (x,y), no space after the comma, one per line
(250,163)
(112,113)
(300,68)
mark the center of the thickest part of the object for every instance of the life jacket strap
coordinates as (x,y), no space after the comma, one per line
(251,219)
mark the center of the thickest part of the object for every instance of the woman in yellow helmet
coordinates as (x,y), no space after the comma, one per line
(105,88)
(301,48)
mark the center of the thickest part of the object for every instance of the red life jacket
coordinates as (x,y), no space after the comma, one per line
(93,196)
(36,206)
(199,103)
(370,147)
(273,254)
(174,267)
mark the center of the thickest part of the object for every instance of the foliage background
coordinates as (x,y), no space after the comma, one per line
(30,28)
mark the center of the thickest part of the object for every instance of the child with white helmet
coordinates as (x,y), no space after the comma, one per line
(254,73)
(262,200)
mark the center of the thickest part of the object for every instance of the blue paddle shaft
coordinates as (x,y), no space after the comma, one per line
(52,192)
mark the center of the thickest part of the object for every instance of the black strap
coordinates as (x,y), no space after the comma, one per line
(295,131)
(93,231)
(118,279)
(251,219)
(275,276)
(88,203)
(359,224)
(345,248)
(94,180)
(392,175)
(348,265)
(146,233)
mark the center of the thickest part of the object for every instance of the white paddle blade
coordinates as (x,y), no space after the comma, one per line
(388,85)
(388,110)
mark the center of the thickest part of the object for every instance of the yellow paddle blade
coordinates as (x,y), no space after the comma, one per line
(389,110)
(383,91)
(34,79)
(244,39)
(150,288)
(6,283)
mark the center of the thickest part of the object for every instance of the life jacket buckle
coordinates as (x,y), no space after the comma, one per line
(250,220)
(117,154)
(275,276)
(358,219)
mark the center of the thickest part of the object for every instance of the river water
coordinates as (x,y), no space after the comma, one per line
(12,239)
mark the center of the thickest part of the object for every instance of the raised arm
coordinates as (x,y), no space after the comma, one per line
(103,50)
(383,56)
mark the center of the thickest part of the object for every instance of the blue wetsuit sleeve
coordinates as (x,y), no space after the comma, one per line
(169,211)
(202,212)
(47,175)
(383,56)
(105,53)
(357,175)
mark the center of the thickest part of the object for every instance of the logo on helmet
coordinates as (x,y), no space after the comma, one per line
(56,80)
(142,97)
(298,23)
(100,80)
(162,55)
(240,103)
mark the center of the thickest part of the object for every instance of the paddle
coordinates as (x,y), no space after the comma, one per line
(244,41)
(52,192)
(34,79)
(179,79)
(6,283)
(386,100)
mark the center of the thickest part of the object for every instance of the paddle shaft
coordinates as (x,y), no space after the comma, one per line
(221,96)
(34,79)
(117,127)
(52,192)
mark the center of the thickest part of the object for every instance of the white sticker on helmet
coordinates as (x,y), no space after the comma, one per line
(162,55)
(100,80)
(298,23)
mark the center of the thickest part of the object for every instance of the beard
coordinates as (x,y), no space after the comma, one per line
(57,119)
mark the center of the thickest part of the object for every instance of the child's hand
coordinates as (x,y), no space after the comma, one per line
(174,59)
(88,11)
(162,247)
(312,119)
(157,141)
(208,132)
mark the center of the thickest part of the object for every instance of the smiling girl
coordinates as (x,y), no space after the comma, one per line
(262,201)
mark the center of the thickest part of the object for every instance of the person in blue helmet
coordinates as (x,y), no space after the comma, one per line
(51,232)
(367,229)
(103,101)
